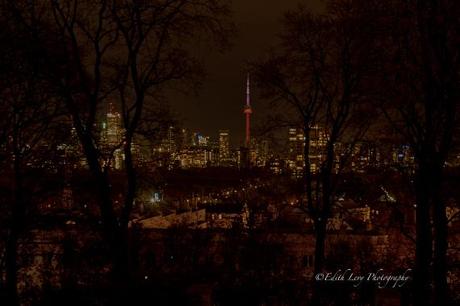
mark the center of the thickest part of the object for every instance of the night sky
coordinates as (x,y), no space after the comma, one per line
(221,98)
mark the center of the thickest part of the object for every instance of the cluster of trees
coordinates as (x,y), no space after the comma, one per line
(63,62)
(359,61)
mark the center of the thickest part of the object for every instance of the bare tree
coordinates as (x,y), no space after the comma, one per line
(293,76)
(29,117)
(423,105)
(125,52)
(326,62)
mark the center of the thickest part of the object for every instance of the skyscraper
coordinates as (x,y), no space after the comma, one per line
(112,136)
(224,146)
(262,153)
(296,144)
(114,131)
(318,140)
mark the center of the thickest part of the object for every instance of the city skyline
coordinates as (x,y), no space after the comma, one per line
(188,149)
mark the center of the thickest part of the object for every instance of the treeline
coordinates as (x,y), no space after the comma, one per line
(359,69)
(373,70)
(62,64)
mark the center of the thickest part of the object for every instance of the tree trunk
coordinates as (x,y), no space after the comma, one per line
(121,264)
(307,169)
(423,253)
(440,255)
(114,231)
(441,292)
(323,213)
(320,231)
(120,270)
(11,269)
(17,220)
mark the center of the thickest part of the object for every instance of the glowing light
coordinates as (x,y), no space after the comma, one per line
(156,197)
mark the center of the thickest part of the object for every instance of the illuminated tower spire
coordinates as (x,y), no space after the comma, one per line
(248,111)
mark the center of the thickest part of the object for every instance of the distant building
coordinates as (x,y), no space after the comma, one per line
(112,138)
(296,143)
(191,219)
(296,147)
(224,148)
(263,153)
(318,141)
(227,215)
(114,132)
(365,155)
(275,165)
(168,143)
(183,139)
(403,156)
(196,157)
(72,153)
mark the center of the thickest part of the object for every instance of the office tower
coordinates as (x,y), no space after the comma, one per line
(224,147)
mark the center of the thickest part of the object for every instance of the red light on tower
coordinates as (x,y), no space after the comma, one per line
(247,112)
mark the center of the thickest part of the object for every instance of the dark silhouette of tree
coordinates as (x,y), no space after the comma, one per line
(28,141)
(125,52)
(421,85)
(321,76)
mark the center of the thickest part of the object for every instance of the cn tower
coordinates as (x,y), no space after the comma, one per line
(247,111)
